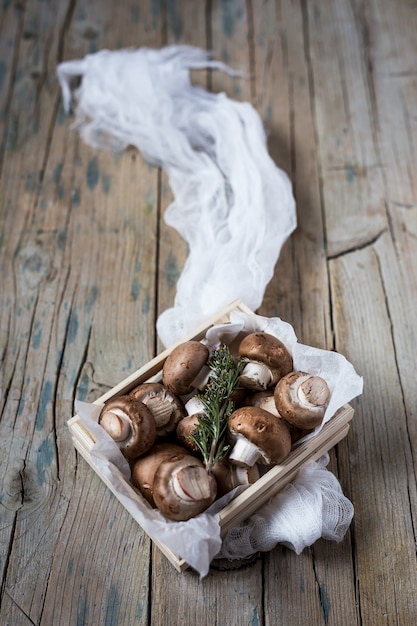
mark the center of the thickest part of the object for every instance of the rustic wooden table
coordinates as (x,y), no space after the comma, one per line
(87,265)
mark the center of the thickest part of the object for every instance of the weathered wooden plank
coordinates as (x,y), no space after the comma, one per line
(223,597)
(29,261)
(322,578)
(350,165)
(382,482)
(300,280)
(71,276)
(392,51)
(183,22)
(230,25)
(11,18)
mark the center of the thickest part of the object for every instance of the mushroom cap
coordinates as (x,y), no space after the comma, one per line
(267,432)
(183,488)
(144,468)
(130,423)
(302,399)
(265,348)
(185,428)
(182,366)
(165,406)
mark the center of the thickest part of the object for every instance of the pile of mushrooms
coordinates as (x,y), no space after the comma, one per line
(153,425)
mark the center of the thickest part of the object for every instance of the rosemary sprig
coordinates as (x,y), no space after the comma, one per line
(210,435)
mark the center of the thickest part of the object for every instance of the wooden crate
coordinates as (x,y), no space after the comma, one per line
(247,502)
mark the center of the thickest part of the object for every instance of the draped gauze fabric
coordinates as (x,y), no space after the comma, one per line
(233,206)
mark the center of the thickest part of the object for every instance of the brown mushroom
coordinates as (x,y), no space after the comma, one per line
(182,488)
(186,368)
(144,468)
(302,399)
(267,360)
(255,398)
(186,427)
(130,424)
(166,407)
(228,476)
(258,436)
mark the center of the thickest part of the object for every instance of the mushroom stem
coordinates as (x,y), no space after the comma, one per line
(117,424)
(194,405)
(244,452)
(268,404)
(202,378)
(256,373)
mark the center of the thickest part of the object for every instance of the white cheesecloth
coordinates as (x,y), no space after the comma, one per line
(232,205)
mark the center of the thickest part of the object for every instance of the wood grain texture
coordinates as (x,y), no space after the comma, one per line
(87,264)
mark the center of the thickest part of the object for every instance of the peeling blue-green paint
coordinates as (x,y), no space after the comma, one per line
(237,90)
(112,607)
(82,610)
(325,604)
(231,13)
(11,133)
(37,336)
(56,176)
(81,13)
(146,304)
(140,610)
(44,459)
(36,126)
(172,271)
(225,55)
(135,289)
(30,182)
(83,387)
(70,567)
(135,13)
(156,7)
(91,298)
(174,19)
(44,403)
(75,198)
(350,173)
(93,173)
(73,327)
(62,239)
(32,264)
(255,617)
(21,406)
(106,183)
(62,115)
(2,72)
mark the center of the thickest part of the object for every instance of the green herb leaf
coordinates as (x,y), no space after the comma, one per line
(210,435)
